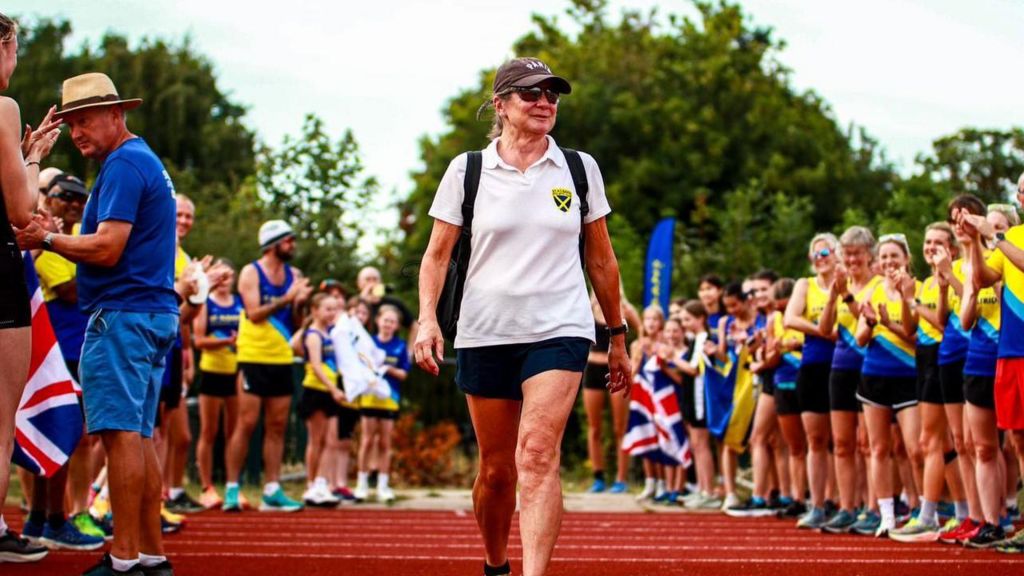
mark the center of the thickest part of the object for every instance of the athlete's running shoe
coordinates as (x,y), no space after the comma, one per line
(1007,524)
(231,502)
(915,531)
(949,530)
(903,512)
(814,519)
(730,501)
(318,495)
(171,516)
(14,548)
(795,509)
(647,492)
(33,531)
(884,528)
(343,493)
(752,508)
(100,506)
(209,499)
(162,569)
(68,537)
(105,567)
(1013,545)
(867,523)
(86,524)
(279,502)
(597,487)
(841,523)
(1013,512)
(618,488)
(183,504)
(361,493)
(168,527)
(988,536)
(386,495)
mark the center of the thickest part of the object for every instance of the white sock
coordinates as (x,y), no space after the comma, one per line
(105,492)
(886,509)
(3,525)
(174,493)
(1011,501)
(363,479)
(320,482)
(230,485)
(961,510)
(150,561)
(122,565)
(270,488)
(382,481)
(649,484)
(928,515)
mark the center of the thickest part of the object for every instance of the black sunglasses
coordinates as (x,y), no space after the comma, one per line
(68,196)
(534,93)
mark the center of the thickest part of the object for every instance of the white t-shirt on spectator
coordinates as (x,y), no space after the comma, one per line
(524,282)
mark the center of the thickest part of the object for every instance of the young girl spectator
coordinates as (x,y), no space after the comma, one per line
(694,319)
(320,396)
(642,349)
(378,415)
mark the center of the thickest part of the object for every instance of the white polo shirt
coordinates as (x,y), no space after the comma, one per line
(524,282)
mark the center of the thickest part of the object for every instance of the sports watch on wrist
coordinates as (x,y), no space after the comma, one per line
(618,330)
(1000,237)
(48,241)
(848,299)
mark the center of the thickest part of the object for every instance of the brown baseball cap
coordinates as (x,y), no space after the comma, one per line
(527,72)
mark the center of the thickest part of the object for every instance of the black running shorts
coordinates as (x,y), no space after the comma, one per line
(895,393)
(267,380)
(218,385)
(812,387)
(951,379)
(929,388)
(842,391)
(980,391)
(15,311)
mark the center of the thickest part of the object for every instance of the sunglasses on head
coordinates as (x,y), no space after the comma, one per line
(67,196)
(822,254)
(534,93)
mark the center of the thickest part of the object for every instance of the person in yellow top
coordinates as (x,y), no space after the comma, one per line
(853,283)
(321,397)
(273,293)
(215,329)
(378,415)
(887,326)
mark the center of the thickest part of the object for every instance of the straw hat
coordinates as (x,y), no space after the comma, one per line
(89,91)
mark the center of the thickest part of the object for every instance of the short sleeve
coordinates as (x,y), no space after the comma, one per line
(53,270)
(122,192)
(447,205)
(995,260)
(597,199)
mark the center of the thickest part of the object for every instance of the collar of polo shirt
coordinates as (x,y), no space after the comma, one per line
(490,158)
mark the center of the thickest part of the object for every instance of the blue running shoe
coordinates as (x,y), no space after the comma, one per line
(597,487)
(32,531)
(68,537)
(1006,523)
(618,488)
(841,523)
(813,520)
(867,524)
(279,502)
(231,503)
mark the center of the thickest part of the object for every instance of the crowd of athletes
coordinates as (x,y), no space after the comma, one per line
(887,395)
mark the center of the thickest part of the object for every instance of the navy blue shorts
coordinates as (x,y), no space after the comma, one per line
(499,371)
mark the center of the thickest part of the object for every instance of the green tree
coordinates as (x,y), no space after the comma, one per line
(317,185)
(985,163)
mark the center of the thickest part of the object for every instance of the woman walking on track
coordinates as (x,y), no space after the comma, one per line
(525,325)
(803,314)
(888,385)
(19,181)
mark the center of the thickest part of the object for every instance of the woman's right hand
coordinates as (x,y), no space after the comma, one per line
(429,347)
(36,144)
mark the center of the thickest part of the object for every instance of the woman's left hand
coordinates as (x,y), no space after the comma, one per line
(618,367)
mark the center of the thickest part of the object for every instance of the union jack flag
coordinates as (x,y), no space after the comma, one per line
(655,429)
(48,423)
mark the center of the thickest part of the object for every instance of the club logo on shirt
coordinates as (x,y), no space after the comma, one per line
(562,198)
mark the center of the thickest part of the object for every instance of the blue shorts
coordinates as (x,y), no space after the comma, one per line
(122,366)
(499,371)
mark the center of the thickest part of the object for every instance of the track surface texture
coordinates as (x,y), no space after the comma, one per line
(369,542)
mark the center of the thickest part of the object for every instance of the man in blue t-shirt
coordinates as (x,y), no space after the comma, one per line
(125,256)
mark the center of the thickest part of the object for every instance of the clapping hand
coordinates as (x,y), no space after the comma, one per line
(36,144)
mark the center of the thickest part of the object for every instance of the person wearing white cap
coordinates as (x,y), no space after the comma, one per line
(273,293)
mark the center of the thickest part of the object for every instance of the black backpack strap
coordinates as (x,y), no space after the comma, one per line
(474,165)
(579,181)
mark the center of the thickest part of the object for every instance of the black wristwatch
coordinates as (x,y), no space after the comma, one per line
(618,330)
(1000,237)
(848,299)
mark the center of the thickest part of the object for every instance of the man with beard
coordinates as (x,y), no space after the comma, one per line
(273,293)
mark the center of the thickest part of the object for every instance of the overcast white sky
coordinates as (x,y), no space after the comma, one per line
(907,70)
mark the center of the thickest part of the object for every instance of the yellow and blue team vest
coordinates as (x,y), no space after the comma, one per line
(789,364)
(221,321)
(1011,337)
(928,334)
(955,340)
(817,350)
(327,362)
(888,354)
(849,356)
(983,349)
(267,342)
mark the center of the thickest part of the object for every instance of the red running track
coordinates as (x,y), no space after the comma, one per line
(414,543)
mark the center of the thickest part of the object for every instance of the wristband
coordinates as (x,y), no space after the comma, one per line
(618,330)
(1000,237)
(31,162)
(48,241)
(848,299)
(872,323)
